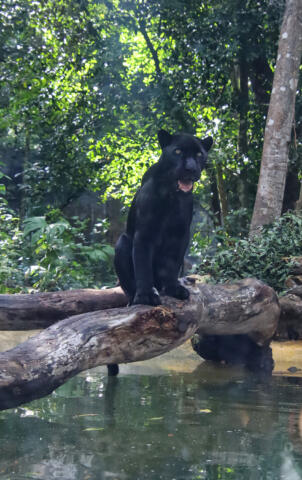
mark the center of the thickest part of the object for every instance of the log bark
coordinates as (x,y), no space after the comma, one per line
(290,324)
(40,310)
(36,367)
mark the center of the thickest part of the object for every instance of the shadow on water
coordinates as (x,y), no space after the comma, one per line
(213,423)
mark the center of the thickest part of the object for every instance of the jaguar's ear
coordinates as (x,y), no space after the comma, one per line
(207,143)
(164,138)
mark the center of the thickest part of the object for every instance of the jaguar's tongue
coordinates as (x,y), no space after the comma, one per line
(185,185)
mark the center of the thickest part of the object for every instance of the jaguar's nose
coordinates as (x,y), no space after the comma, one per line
(190,165)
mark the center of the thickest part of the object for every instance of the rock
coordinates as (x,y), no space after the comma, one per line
(294,369)
(235,350)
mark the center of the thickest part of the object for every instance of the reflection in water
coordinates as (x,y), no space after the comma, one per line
(214,423)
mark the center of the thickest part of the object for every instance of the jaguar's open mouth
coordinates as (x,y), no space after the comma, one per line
(185,185)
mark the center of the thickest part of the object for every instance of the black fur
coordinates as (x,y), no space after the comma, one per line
(149,255)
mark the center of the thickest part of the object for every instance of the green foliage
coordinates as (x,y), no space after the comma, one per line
(11,273)
(263,257)
(206,239)
(84,88)
(56,90)
(58,257)
(51,254)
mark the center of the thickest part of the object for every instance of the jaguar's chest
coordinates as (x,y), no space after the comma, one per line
(175,218)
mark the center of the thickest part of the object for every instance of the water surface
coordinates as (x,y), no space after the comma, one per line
(204,422)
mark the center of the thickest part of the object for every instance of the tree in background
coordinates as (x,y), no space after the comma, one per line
(85,86)
(201,67)
(279,123)
(59,81)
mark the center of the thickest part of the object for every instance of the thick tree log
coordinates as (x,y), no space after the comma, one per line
(290,324)
(40,310)
(42,363)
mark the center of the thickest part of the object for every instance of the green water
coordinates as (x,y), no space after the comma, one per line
(210,424)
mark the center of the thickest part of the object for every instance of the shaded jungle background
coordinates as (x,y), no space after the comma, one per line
(84,88)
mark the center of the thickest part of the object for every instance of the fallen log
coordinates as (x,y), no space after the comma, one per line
(38,366)
(40,310)
(290,324)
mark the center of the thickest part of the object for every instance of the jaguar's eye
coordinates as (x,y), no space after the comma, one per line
(178,151)
(199,154)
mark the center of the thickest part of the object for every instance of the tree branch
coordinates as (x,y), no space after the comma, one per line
(153,52)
